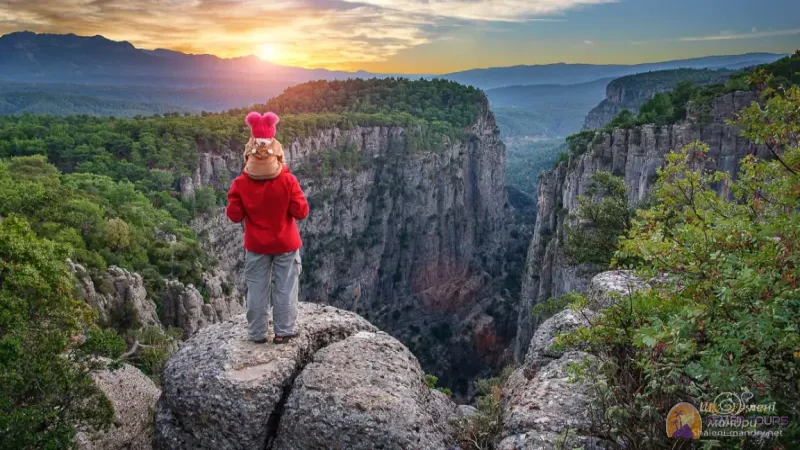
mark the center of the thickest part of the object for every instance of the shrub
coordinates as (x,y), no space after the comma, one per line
(155,349)
(432,380)
(104,342)
(45,384)
(591,234)
(725,318)
(481,430)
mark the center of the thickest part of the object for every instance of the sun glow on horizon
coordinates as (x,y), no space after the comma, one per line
(269,52)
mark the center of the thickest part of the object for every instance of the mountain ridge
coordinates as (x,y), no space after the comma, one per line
(42,57)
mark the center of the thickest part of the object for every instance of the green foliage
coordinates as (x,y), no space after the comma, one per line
(155,349)
(578,143)
(104,342)
(526,160)
(61,104)
(99,221)
(725,318)
(45,390)
(432,380)
(625,119)
(591,234)
(666,108)
(444,105)
(481,430)
(553,306)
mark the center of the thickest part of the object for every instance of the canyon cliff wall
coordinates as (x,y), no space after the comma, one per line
(407,234)
(632,91)
(633,154)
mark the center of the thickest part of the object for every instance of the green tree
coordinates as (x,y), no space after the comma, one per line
(600,220)
(725,317)
(45,385)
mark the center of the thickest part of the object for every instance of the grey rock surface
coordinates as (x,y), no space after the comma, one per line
(134,397)
(541,407)
(635,155)
(221,391)
(543,410)
(364,392)
(116,291)
(183,306)
(540,350)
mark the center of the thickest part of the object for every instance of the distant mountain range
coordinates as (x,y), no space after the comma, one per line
(582,73)
(158,81)
(67,58)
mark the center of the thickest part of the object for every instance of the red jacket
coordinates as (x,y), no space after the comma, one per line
(269,209)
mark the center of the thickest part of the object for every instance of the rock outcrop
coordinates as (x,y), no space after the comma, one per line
(364,392)
(541,408)
(119,296)
(185,307)
(339,380)
(133,397)
(630,92)
(635,155)
(409,235)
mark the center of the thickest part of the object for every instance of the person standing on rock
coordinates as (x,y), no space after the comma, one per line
(270,201)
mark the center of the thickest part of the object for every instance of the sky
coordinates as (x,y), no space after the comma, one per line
(425,36)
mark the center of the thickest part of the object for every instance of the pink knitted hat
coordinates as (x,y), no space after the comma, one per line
(262,127)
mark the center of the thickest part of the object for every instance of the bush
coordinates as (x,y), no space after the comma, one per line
(432,380)
(725,317)
(156,347)
(104,342)
(45,384)
(481,430)
(591,234)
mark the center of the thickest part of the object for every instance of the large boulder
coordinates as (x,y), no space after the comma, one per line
(222,391)
(134,397)
(542,409)
(365,392)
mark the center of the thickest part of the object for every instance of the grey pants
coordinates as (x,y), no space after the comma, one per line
(258,271)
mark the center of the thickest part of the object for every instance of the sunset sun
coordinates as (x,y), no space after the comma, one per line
(269,52)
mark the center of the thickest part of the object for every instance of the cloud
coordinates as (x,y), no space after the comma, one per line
(311,33)
(588,42)
(723,36)
(485,10)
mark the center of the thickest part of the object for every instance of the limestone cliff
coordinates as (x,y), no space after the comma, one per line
(633,154)
(631,91)
(408,234)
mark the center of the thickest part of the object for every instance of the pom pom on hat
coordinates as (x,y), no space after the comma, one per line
(262,127)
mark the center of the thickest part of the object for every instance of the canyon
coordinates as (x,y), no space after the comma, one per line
(635,155)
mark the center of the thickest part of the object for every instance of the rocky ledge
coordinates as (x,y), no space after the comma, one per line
(339,384)
(542,410)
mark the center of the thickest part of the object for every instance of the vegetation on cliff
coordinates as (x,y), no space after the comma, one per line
(441,104)
(666,108)
(45,384)
(99,222)
(723,315)
(601,218)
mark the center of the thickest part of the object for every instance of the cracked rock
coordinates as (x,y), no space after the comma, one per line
(221,391)
(365,392)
